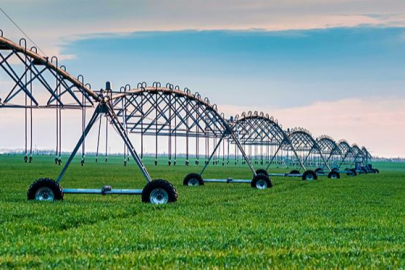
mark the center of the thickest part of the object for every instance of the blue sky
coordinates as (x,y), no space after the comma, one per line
(334,67)
(287,68)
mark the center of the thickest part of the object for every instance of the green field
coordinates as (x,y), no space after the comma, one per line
(349,222)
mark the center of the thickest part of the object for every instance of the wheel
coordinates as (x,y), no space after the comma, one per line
(377,170)
(295,172)
(193,179)
(318,170)
(334,175)
(45,189)
(125,163)
(263,172)
(309,176)
(261,181)
(159,192)
(352,172)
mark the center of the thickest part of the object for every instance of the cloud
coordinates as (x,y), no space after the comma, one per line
(374,123)
(64,22)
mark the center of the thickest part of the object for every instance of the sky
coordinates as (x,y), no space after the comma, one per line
(333,67)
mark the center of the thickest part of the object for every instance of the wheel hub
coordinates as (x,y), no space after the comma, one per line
(44,194)
(261,184)
(193,182)
(310,177)
(159,196)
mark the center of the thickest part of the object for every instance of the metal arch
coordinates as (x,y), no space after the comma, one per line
(367,155)
(36,70)
(258,130)
(344,147)
(142,103)
(33,70)
(261,129)
(329,147)
(302,141)
(347,153)
(358,154)
(152,110)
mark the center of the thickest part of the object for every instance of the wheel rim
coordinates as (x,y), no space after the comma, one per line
(159,196)
(261,184)
(193,182)
(309,177)
(44,194)
(333,176)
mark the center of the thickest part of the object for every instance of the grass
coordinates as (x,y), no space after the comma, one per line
(350,222)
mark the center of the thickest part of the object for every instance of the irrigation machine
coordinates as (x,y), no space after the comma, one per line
(274,146)
(182,118)
(41,83)
(177,116)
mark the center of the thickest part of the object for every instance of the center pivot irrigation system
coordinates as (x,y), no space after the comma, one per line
(169,113)
(295,148)
(181,116)
(40,83)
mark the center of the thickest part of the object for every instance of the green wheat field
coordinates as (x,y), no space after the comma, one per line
(349,222)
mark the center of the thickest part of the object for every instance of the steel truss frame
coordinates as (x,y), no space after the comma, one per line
(348,155)
(367,156)
(33,76)
(303,141)
(368,166)
(169,111)
(259,129)
(358,157)
(330,150)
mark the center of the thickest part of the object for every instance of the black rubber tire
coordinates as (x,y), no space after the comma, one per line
(261,177)
(308,174)
(295,172)
(352,172)
(332,174)
(193,176)
(262,171)
(45,182)
(159,183)
(318,170)
(377,170)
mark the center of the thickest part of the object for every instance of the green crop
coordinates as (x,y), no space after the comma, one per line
(348,222)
